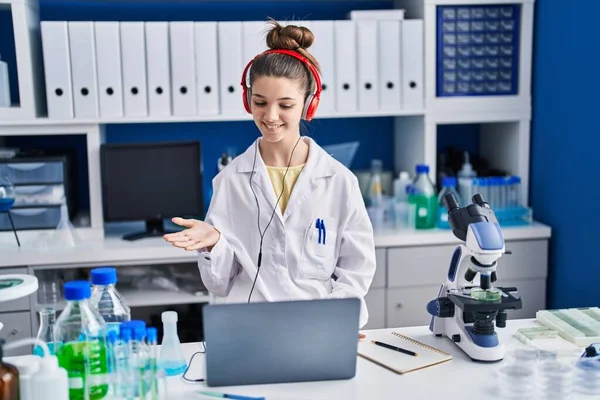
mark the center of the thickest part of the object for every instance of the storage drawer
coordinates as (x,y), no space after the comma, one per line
(33,172)
(16,326)
(42,195)
(375,300)
(21,304)
(408,306)
(428,265)
(532,293)
(380,272)
(31,218)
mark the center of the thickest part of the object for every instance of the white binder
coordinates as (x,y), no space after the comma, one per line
(158,68)
(108,59)
(230,67)
(323,51)
(254,39)
(83,69)
(57,69)
(207,68)
(345,66)
(390,66)
(183,67)
(368,79)
(412,64)
(133,59)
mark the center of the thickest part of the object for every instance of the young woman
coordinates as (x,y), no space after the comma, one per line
(286,221)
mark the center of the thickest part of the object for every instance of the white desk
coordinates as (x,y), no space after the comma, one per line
(457,379)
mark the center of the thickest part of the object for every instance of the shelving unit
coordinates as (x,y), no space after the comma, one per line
(504,134)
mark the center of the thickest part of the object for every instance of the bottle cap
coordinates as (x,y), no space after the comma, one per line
(77,290)
(448,181)
(169,316)
(422,169)
(125,334)
(151,334)
(104,276)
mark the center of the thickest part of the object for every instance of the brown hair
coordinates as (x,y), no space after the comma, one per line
(289,37)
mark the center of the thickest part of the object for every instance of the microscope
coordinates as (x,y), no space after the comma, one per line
(467,308)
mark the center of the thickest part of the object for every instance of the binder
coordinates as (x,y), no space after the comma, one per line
(57,69)
(322,50)
(133,59)
(207,68)
(345,66)
(367,56)
(158,68)
(83,69)
(254,34)
(183,67)
(230,67)
(108,59)
(412,64)
(396,361)
(390,65)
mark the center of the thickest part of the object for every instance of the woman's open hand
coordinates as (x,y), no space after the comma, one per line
(198,235)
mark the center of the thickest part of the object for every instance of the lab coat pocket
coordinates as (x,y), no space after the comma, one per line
(318,250)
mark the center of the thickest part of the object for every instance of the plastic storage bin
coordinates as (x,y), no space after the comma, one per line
(33,172)
(31,218)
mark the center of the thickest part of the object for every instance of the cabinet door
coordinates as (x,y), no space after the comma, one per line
(375,300)
(532,293)
(380,271)
(407,306)
(16,326)
(21,304)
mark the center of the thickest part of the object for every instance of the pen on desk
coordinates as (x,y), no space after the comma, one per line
(229,396)
(389,346)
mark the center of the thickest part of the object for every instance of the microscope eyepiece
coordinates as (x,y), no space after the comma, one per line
(480,201)
(450,202)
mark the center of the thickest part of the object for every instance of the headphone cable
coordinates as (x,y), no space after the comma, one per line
(262,234)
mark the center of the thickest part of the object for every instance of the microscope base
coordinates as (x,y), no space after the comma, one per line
(489,349)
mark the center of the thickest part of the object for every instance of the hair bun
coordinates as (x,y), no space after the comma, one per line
(289,37)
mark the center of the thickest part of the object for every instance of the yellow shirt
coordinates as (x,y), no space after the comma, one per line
(276,175)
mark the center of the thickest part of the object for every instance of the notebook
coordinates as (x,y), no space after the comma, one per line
(398,362)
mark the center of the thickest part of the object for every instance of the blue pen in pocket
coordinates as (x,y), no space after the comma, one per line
(318,226)
(324,231)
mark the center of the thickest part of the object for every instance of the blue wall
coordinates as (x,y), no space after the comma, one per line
(566,145)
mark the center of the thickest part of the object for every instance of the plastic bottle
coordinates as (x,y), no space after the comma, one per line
(375,190)
(9,384)
(80,344)
(422,194)
(465,179)
(107,300)
(448,186)
(46,330)
(50,381)
(171,354)
(400,185)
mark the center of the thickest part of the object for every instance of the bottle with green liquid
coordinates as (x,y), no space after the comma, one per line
(422,195)
(80,344)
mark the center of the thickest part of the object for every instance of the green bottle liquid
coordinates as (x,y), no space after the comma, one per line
(422,195)
(73,357)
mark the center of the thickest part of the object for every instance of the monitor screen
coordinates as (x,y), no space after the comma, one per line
(151,181)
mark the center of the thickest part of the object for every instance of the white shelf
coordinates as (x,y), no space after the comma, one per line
(203,118)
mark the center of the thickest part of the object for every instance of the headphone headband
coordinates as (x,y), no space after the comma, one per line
(313,99)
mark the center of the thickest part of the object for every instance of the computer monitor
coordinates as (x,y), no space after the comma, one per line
(150,182)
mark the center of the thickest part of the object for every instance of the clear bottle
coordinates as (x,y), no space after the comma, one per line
(375,191)
(107,299)
(465,179)
(80,344)
(400,185)
(448,186)
(9,384)
(171,354)
(423,195)
(46,330)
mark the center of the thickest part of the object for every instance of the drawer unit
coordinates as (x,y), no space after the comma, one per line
(38,195)
(31,218)
(379,278)
(16,326)
(21,304)
(27,171)
(408,306)
(375,300)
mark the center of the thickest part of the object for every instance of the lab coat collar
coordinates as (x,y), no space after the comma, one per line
(318,165)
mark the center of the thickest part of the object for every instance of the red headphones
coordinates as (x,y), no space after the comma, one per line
(312,101)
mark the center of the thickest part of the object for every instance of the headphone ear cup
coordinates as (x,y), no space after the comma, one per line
(311,108)
(306,109)
(246,95)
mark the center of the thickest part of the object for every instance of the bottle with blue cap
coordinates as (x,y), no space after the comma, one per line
(422,194)
(80,344)
(107,299)
(448,186)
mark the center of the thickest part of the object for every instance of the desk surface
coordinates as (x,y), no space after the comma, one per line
(113,250)
(459,378)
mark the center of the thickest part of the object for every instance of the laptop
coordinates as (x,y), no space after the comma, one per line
(277,342)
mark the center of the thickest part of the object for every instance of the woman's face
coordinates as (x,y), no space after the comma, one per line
(276,107)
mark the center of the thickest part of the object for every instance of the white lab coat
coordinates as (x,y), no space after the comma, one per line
(294,265)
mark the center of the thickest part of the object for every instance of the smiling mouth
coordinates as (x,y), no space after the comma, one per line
(272,127)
